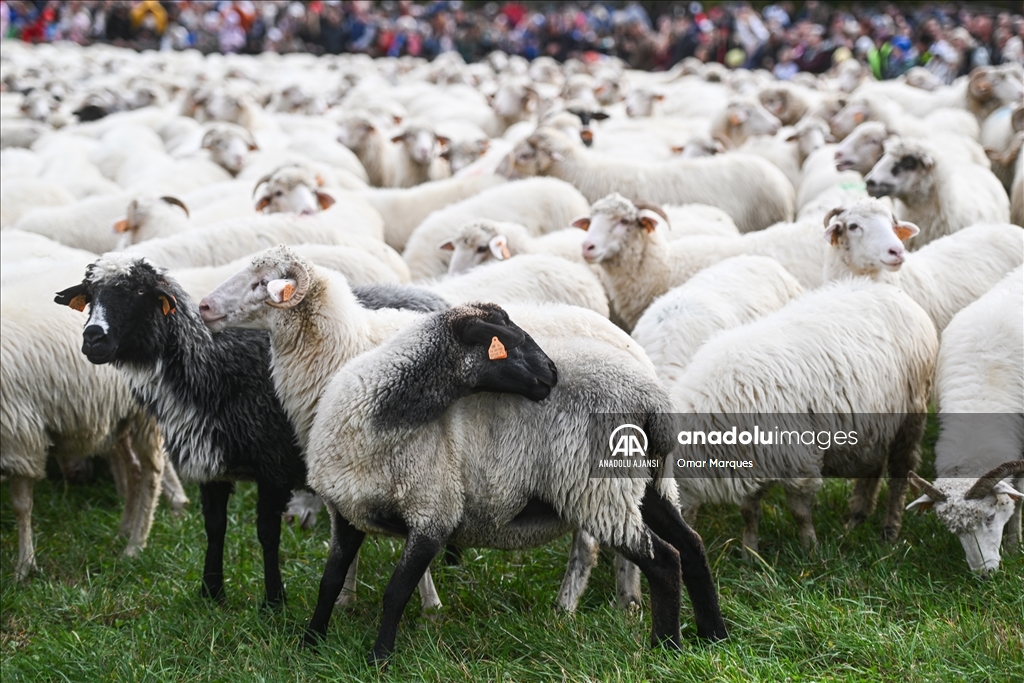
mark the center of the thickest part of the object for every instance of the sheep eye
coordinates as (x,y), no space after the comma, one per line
(481,250)
(853,226)
(141,292)
(990,519)
(279,193)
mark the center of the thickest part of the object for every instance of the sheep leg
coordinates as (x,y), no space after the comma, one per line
(151,471)
(627,584)
(664,519)
(132,470)
(663,576)
(119,474)
(863,499)
(800,506)
(582,558)
(21,499)
(348,592)
(904,456)
(270,504)
(173,491)
(214,497)
(430,601)
(345,542)
(750,509)
(417,555)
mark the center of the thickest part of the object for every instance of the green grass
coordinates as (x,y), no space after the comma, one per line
(856,609)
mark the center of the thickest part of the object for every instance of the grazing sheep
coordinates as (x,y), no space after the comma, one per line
(879,378)
(541,205)
(758,193)
(56,403)
(979,385)
(943,277)
(480,241)
(939,195)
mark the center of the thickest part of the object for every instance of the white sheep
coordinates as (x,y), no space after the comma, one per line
(741,119)
(876,350)
(979,393)
(751,190)
(56,402)
(639,262)
(939,195)
(723,296)
(862,148)
(483,240)
(18,197)
(418,156)
(402,209)
(541,205)
(85,224)
(943,277)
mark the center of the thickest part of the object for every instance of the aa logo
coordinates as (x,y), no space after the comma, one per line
(625,441)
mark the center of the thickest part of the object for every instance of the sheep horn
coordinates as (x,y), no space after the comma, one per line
(264,179)
(936,495)
(984,485)
(208,138)
(301,286)
(177,202)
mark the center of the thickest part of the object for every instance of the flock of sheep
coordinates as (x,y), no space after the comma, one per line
(406,286)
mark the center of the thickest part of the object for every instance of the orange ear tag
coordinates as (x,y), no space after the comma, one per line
(505,254)
(287,291)
(166,306)
(78,303)
(497,350)
(121,225)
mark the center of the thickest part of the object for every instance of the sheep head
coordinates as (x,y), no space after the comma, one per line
(476,243)
(616,226)
(904,171)
(143,212)
(867,238)
(535,155)
(229,145)
(862,148)
(421,144)
(292,189)
(976,511)
(277,278)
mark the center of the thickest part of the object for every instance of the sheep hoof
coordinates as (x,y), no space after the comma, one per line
(378,657)
(432,613)
(23,571)
(629,603)
(345,598)
(890,534)
(215,593)
(178,508)
(133,551)
(855,520)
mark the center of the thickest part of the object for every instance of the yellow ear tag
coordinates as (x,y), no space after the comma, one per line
(497,350)
(77,303)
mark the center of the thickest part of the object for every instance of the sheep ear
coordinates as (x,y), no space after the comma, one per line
(648,220)
(72,297)
(448,246)
(281,291)
(263,203)
(858,117)
(207,139)
(904,230)
(659,97)
(583,223)
(499,247)
(121,225)
(677,149)
(921,504)
(793,137)
(599,116)
(1007,490)
(484,146)
(168,303)
(398,138)
(444,142)
(737,117)
(324,200)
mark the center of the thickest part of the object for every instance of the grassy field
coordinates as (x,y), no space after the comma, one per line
(856,609)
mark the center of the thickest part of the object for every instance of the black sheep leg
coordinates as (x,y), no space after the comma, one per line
(663,577)
(270,505)
(214,496)
(664,519)
(345,542)
(416,557)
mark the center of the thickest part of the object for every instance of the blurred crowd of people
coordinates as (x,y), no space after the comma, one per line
(787,37)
